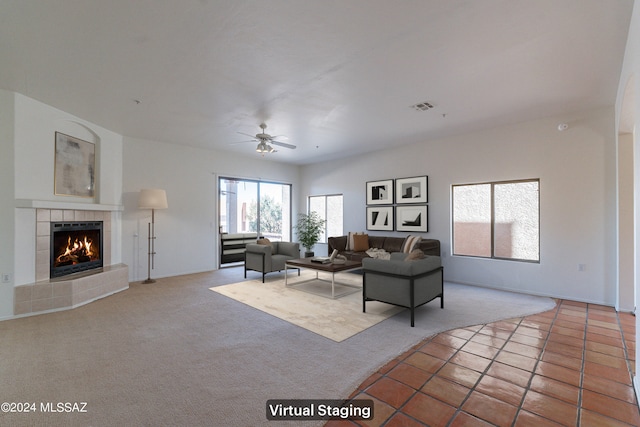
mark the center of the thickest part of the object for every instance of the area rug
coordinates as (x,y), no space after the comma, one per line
(308,304)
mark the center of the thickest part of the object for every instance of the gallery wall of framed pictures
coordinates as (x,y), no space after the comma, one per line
(398,204)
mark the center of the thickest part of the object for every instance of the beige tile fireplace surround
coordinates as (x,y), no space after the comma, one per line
(64,293)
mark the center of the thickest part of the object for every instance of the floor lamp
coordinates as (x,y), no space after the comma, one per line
(152,199)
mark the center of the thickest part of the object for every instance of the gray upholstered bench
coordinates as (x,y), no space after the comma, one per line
(403,283)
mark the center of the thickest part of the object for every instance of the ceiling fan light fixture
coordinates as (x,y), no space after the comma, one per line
(263,147)
(265,141)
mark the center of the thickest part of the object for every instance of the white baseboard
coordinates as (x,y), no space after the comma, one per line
(530,292)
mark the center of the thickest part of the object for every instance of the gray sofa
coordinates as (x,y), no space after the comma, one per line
(389,244)
(407,284)
(269,258)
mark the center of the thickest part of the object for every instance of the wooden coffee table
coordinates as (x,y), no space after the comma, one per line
(332,268)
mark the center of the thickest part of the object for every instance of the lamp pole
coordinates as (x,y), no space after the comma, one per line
(151,248)
(152,199)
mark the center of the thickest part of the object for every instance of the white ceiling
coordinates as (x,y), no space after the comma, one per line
(337,77)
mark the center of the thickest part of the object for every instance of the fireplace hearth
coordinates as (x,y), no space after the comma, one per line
(76,247)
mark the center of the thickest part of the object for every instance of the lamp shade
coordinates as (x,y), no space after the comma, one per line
(152,198)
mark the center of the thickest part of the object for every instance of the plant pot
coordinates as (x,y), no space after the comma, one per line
(308,254)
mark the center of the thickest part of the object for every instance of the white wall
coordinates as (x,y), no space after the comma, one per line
(631,72)
(187,231)
(625,298)
(577,186)
(7,185)
(35,125)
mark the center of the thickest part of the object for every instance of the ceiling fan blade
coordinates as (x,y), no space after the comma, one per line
(246,134)
(243,142)
(283,144)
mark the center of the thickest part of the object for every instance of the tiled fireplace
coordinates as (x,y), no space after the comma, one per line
(48,294)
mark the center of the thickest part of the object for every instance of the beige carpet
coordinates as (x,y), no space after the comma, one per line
(175,353)
(307,303)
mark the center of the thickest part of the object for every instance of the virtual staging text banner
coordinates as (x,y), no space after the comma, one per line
(305,409)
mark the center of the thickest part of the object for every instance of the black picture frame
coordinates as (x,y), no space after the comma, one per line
(380,192)
(380,218)
(412,218)
(412,190)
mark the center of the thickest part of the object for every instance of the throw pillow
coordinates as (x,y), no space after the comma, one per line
(350,240)
(414,255)
(360,243)
(264,241)
(410,243)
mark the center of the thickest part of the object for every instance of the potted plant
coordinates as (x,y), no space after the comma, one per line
(309,228)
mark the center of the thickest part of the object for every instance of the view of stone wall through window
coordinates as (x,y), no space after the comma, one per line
(509,210)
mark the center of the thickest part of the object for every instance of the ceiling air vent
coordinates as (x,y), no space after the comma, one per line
(423,106)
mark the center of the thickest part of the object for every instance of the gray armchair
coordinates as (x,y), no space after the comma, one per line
(407,284)
(269,258)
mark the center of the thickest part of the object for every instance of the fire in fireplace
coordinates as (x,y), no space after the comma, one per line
(75,247)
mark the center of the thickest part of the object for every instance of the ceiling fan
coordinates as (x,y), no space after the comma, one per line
(265,141)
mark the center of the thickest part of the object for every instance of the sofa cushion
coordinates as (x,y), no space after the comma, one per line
(430,247)
(288,249)
(393,244)
(401,268)
(398,256)
(360,243)
(278,261)
(377,242)
(339,243)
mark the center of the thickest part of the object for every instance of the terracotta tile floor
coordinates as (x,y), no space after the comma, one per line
(571,366)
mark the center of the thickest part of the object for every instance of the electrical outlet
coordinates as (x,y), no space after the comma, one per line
(6,277)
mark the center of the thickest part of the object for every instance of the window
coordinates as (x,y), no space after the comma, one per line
(255,206)
(497,220)
(329,207)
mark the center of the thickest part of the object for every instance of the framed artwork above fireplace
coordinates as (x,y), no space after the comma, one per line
(75,162)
